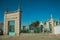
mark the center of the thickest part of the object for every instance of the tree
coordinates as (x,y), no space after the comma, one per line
(35,26)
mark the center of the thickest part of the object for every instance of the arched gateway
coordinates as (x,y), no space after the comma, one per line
(12,23)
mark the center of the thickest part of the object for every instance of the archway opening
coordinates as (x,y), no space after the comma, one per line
(11,27)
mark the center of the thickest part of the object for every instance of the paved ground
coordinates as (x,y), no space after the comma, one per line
(30,37)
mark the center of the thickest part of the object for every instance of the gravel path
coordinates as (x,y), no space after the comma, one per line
(30,37)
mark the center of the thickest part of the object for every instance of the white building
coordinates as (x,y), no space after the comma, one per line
(53,25)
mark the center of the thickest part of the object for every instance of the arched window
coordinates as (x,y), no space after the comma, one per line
(50,27)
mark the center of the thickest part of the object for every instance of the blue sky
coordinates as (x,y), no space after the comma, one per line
(33,10)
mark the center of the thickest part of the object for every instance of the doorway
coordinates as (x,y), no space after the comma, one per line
(11,27)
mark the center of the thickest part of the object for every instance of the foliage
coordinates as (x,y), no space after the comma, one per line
(35,26)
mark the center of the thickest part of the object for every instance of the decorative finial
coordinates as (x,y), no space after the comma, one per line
(19,7)
(6,10)
(51,15)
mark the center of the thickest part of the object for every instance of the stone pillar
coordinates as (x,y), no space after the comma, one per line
(5,25)
(17,26)
(52,27)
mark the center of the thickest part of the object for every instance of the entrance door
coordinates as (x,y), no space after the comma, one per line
(11,27)
(50,27)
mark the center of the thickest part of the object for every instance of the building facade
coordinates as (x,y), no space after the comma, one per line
(51,24)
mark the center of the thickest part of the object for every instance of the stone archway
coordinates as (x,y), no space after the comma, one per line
(12,16)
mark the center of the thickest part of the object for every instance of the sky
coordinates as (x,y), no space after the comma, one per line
(32,10)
